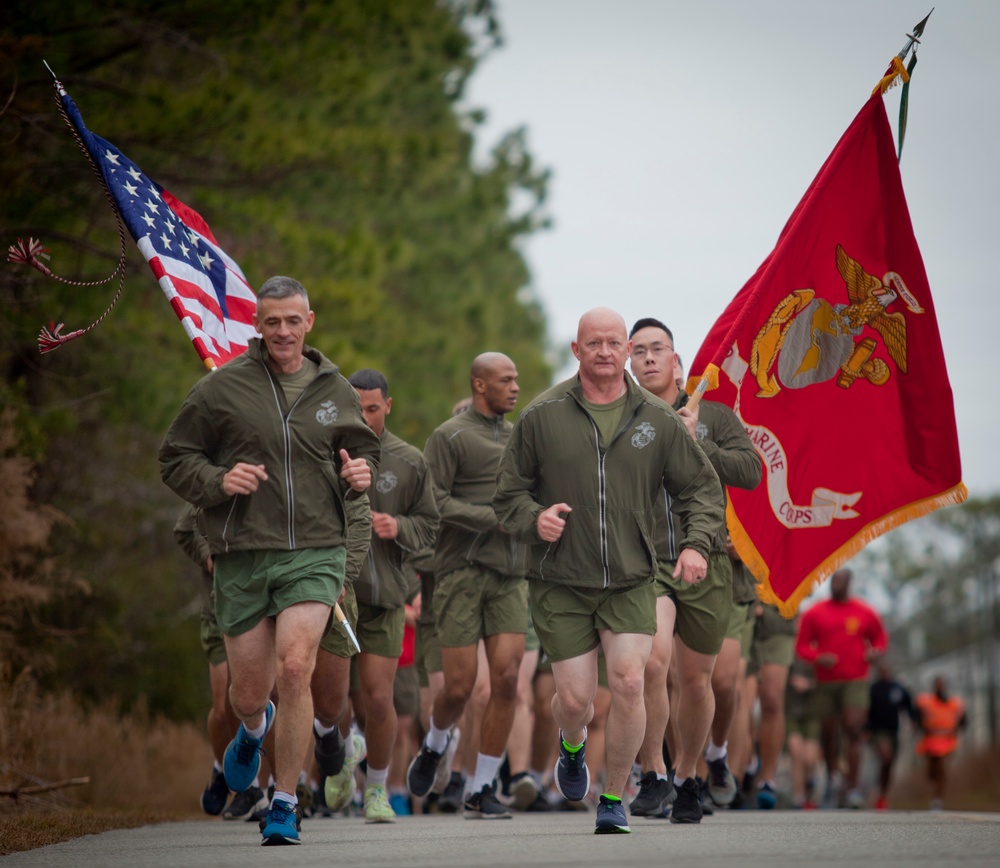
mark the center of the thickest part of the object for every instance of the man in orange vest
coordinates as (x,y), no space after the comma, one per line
(940,717)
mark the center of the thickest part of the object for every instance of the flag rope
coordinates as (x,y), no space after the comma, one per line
(29,252)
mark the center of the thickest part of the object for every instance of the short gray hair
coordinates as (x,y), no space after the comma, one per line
(282,287)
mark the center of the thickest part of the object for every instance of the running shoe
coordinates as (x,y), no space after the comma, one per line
(216,794)
(856,799)
(654,797)
(281,826)
(571,772)
(377,807)
(541,805)
(707,805)
(767,798)
(443,775)
(721,783)
(484,805)
(687,805)
(330,751)
(451,799)
(523,791)
(339,789)
(422,774)
(400,804)
(244,805)
(242,758)
(611,817)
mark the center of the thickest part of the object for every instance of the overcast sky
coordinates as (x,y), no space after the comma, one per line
(681,136)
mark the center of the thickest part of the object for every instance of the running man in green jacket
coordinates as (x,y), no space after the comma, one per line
(693,619)
(270,447)
(579,480)
(479,590)
(404,524)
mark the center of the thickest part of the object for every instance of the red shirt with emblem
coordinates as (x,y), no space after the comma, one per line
(847,629)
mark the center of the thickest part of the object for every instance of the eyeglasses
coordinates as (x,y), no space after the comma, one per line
(657,349)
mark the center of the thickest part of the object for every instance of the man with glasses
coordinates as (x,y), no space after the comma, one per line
(692,618)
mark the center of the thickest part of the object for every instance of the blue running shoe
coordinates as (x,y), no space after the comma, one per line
(572,774)
(611,817)
(281,826)
(242,759)
(767,798)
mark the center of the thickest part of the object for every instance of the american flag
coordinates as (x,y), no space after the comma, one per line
(204,285)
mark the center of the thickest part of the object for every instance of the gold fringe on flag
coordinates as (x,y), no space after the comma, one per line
(895,74)
(755,563)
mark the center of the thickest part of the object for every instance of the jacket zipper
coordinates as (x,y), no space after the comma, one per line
(602,492)
(286,434)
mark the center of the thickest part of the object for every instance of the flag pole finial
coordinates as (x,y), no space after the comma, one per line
(55,78)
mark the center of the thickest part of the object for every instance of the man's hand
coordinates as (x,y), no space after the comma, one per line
(243,478)
(550,523)
(690,419)
(384,525)
(826,660)
(356,472)
(691,567)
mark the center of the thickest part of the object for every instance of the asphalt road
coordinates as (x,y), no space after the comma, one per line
(748,839)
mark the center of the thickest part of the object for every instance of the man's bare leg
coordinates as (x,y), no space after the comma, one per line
(626,655)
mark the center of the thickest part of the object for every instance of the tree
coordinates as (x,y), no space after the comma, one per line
(319,139)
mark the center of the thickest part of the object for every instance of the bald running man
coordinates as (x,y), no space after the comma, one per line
(479,591)
(585,466)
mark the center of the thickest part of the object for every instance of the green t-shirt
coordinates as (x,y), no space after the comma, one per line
(607,417)
(294,384)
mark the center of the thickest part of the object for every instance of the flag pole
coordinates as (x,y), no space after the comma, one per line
(338,613)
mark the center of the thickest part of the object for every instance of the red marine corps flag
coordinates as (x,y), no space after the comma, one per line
(830,356)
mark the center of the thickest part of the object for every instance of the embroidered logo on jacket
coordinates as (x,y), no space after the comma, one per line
(701,431)
(386,482)
(645,434)
(327,413)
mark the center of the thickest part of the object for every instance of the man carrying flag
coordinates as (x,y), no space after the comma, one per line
(270,447)
(831,358)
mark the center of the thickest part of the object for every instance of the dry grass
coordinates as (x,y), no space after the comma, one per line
(973,784)
(141,769)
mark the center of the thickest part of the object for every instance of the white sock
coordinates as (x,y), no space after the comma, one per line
(376,777)
(284,797)
(321,730)
(216,766)
(486,770)
(665,777)
(258,731)
(538,777)
(437,739)
(714,752)
(678,781)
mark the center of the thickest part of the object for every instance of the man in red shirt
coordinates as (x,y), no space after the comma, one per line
(841,637)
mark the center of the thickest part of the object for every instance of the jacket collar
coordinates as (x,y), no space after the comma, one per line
(257,350)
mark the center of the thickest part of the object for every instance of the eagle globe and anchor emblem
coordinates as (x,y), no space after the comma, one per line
(645,434)
(327,413)
(386,482)
(814,341)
